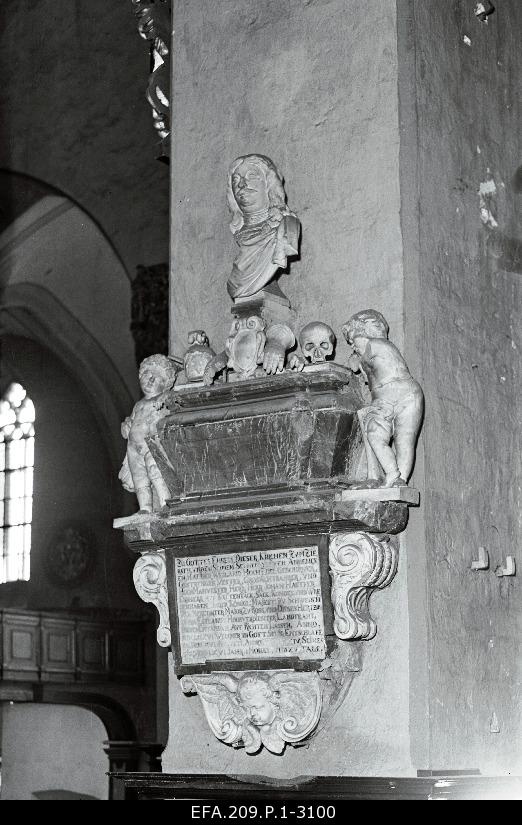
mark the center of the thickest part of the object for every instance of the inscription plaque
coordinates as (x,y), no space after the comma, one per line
(260,604)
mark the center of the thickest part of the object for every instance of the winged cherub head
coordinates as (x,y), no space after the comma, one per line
(260,702)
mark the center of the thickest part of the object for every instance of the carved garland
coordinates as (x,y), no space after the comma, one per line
(150,581)
(359,564)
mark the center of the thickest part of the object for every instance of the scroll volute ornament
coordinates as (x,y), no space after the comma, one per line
(150,581)
(359,564)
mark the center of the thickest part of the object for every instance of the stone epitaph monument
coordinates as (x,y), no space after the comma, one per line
(272,485)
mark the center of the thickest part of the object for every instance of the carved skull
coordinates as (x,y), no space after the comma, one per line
(317,341)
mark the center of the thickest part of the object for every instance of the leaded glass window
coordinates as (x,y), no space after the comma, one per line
(17,416)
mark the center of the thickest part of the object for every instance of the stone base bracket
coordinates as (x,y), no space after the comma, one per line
(150,581)
(359,564)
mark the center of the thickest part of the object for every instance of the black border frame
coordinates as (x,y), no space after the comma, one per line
(224,545)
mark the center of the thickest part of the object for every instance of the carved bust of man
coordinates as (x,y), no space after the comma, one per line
(265,229)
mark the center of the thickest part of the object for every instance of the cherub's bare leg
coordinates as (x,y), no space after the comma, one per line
(140,479)
(379,436)
(160,488)
(407,425)
(144,495)
(405,447)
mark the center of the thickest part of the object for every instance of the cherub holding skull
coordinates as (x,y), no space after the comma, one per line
(397,402)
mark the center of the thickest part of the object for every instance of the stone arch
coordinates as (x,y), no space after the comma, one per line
(20,192)
(112,714)
(33,312)
(63,285)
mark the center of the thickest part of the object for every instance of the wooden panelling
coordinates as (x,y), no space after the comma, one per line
(58,649)
(52,648)
(20,646)
(92,651)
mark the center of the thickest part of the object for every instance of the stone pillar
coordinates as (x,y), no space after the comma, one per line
(396,127)
(314,87)
(461,224)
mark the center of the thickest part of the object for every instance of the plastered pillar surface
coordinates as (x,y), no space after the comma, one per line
(313,85)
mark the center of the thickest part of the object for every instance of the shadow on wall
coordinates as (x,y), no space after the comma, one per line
(517,181)
(61,794)
(506,251)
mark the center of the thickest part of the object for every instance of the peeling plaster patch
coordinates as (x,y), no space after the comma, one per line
(466,40)
(488,188)
(483,10)
(487,218)
(494,726)
(487,191)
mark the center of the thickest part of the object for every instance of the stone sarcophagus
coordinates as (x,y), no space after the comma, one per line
(285,432)
(270,497)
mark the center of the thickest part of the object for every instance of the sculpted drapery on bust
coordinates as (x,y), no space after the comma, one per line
(265,229)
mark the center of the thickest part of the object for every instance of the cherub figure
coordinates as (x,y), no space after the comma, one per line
(397,403)
(139,473)
(259,709)
(259,700)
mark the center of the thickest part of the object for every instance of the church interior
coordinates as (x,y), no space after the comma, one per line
(387,138)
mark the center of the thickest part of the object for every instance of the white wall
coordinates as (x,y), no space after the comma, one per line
(52,747)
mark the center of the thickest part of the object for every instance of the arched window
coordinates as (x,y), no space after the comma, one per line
(16,483)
